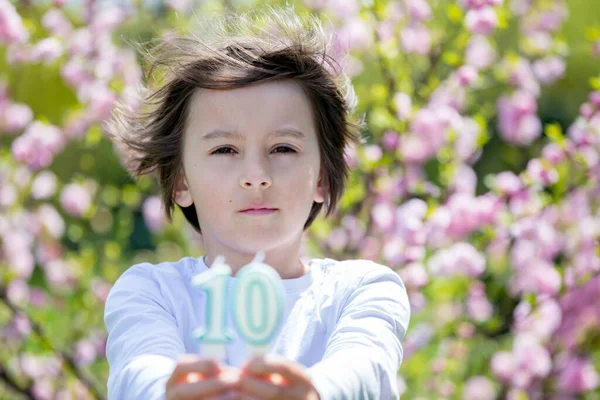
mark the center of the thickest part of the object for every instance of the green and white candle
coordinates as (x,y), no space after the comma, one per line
(257,306)
(214,334)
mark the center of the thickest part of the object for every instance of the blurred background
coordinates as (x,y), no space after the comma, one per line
(478,183)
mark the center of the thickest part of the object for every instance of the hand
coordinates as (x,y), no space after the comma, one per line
(197,377)
(275,378)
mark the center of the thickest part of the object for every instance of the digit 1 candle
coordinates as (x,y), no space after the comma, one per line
(214,335)
(258,298)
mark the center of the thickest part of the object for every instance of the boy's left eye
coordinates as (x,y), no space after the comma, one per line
(284,149)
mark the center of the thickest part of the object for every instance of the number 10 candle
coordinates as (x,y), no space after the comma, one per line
(256,305)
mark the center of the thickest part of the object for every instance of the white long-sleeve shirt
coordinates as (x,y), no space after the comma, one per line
(343,320)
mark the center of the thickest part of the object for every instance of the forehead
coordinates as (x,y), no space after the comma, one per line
(260,107)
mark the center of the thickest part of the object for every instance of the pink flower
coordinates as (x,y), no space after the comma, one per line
(38,145)
(47,50)
(414,275)
(478,306)
(390,141)
(416,39)
(503,366)
(549,69)
(467,75)
(15,117)
(81,42)
(460,259)
(51,221)
(57,23)
(11,24)
(516,119)
(479,388)
(75,199)
(479,52)
(85,352)
(107,20)
(154,214)
(419,10)
(44,185)
(75,72)
(403,104)
(482,21)
(541,173)
(578,376)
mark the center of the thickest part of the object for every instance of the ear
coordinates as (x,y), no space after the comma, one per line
(320,192)
(182,192)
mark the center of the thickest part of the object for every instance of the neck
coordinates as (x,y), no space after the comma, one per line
(287,263)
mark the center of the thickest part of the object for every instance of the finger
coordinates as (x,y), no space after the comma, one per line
(196,367)
(207,387)
(260,388)
(291,371)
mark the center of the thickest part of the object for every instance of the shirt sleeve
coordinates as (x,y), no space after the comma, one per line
(364,353)
(143,343)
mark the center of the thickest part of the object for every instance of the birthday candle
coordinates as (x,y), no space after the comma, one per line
(214,335)
(257,306)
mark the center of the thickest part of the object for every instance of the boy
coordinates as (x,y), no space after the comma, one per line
(247,136)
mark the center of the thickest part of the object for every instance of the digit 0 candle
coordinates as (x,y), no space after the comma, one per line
(258,299)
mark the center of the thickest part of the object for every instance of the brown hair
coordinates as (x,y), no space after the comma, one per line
(234,51)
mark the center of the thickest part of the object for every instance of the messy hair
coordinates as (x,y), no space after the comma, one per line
(230,52)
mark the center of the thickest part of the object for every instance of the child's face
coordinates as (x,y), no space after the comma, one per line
(263,153)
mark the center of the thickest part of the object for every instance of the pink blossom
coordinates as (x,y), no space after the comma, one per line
(18,292)
(179,5)
(11,24)
(390,141)
(383,216)
(44,185)
(479,307)
(549,69)
(75,199)
(47,50)
(75,72)
(403,104)
(344,9)
(541,323)
(38,145)
(516,119)
(461,258)
(81,42)
(85,352)
(356,34)
(553,153)
(503,365)
(337,239)
(416,39)
(482,21)
(15,117)
(154,214)
(541,173)
(419,10)
(414,275)
(479,52)
(467,75)
(57,23)
(466,146)
(522,77)
(51,221)
(578,376)
(107,20)
(464,180)
(479,388)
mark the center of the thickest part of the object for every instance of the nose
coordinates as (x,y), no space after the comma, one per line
(255,175)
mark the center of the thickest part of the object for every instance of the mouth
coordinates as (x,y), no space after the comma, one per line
(259,211)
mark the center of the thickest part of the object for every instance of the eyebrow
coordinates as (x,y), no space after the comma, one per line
(223,134)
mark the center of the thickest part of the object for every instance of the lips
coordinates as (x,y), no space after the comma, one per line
(259,211)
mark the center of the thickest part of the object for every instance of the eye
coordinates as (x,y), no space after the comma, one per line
(223,150)
(284,149)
